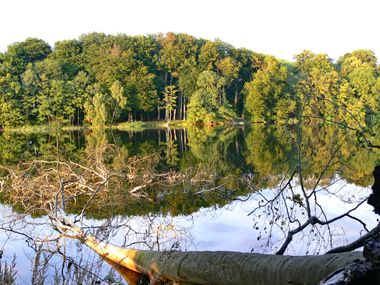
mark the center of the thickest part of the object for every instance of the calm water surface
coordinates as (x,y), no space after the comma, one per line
(247,206)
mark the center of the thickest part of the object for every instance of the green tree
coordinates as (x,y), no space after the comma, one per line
(177,64)
(171,56)
(250,62)
(169,101)
(208,56)
(68,54)
(208,104)
(317,86)
(78,87)
(208,76)
(98,109)
(350,61)
(31,88)
(265,91)
(187,82)
(118,94)
(20,54)
(56,103)
(376,102)
(142,91)
(229,69)
(15,107)
(359,71)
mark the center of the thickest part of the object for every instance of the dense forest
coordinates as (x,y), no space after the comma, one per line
(102,79)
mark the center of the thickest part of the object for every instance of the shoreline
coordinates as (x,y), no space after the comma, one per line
(124,126)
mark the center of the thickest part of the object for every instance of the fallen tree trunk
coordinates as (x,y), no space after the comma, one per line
(228,267)
(217,267)
(225,267)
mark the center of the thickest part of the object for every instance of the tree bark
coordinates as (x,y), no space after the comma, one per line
(223,267)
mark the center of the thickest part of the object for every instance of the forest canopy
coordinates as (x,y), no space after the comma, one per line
(102,79)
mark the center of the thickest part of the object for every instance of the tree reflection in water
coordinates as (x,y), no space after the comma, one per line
(141,189)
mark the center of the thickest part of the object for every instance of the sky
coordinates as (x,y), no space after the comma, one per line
(282,28)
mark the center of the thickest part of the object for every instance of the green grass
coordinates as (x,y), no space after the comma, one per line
(139,126)
(42,129)
(128,126)
(136,126)
(125,126)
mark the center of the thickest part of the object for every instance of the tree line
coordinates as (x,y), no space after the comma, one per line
(102,79)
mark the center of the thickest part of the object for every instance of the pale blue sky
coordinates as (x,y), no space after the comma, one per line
(278,27)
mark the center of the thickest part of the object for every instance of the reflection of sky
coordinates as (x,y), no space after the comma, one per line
(230,227)
(16,245)
(227,228)
(12,244)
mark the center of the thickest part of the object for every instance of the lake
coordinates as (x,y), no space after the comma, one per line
(236,189)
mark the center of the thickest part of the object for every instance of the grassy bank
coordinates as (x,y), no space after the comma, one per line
(41,129)
(126,126)
(138,125)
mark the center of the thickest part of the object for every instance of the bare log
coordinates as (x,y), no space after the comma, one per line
(224,267)
(215,267)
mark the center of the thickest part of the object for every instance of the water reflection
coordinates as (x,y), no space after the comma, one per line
(230,227)
(267,151)
(213,189)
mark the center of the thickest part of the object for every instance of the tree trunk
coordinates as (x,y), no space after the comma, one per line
(223,267)
(184,109)
(180,106)
(158,111)
(236,99)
